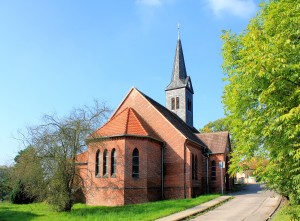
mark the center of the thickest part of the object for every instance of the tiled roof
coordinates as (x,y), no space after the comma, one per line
(216,141)
(82,157)
(127,122)
(176,121)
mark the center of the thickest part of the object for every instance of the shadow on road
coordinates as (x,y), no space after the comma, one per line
(250,189)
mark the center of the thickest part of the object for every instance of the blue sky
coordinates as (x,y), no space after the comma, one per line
(56,55)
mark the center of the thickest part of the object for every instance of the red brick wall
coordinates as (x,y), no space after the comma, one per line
(174,150)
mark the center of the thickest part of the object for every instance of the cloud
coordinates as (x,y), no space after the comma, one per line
(149,2)
(240,8)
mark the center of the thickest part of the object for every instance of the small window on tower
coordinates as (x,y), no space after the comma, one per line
(189,105)
(177,102)
(173,103)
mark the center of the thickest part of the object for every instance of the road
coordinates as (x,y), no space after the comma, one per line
(253,203)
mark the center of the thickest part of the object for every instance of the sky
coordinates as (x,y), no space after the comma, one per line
(56,55)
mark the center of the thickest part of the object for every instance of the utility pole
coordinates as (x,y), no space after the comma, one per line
(221,166)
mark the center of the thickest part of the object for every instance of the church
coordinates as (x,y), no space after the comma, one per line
(148,152)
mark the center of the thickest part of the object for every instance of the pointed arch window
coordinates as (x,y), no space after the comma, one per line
(177,102)
(113,161)
(105,162)
(135,163)
(172,103)
(193,166)
(196,167)
(213,170)
(97,164)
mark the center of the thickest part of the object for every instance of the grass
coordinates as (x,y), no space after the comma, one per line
(146,211)
(287,213)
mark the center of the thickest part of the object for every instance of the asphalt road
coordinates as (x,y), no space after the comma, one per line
(252,203)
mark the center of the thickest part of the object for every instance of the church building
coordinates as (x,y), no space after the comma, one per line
(148,152)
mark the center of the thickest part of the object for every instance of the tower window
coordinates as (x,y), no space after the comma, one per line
(173,103)
(177,102)
(189,105)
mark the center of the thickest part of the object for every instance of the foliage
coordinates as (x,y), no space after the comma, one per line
(287,213)
(26,178)
(20,196)
(57,141)
(221,124)
(262,97)
(5,187)
(146,211)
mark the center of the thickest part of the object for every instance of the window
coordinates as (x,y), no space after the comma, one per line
(213,170)
(113,166)
(135,163)
(105,162)
(189,105)
(196,167)
(173,103)
(97,165)
(193,166)
(177,102)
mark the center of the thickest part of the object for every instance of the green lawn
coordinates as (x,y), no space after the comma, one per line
(146,211)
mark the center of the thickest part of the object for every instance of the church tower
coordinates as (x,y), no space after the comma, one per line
(179,93)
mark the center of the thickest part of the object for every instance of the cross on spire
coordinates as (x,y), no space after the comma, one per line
(178,28)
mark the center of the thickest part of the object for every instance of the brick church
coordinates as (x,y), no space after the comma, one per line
(148,152)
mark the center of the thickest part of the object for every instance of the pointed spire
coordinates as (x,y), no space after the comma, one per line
(179,76)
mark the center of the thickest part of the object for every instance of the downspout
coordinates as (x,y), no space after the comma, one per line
(184,169)
(162,170)
(207,183)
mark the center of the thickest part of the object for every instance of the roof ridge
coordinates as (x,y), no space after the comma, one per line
(138,120)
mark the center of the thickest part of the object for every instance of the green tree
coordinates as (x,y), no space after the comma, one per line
(57,141)
(26,178)
(5,186)
(221,124)
(262,97)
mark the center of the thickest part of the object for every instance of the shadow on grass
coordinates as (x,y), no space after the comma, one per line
(11,215)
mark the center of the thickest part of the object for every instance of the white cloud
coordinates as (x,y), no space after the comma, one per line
(149,2)
(240,8)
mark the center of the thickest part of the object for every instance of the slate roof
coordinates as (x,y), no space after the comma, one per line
(179,76)
(176,121)
(127,122)
(215,141)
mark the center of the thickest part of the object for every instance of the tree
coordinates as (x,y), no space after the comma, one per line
(57,141)
(221,124)
(5,187)
(262,97)
(26,178)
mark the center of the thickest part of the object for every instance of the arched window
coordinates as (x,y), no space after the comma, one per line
(97,164)
(105,162)
(135,163)
(196,167)
(213,170)
(177,102)
(172,103)
(193,166)
(113,161)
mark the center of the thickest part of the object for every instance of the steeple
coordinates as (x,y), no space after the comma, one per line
(179,77)
(179,93)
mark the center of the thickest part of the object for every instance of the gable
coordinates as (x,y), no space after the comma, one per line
(215,141)
(145,105)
